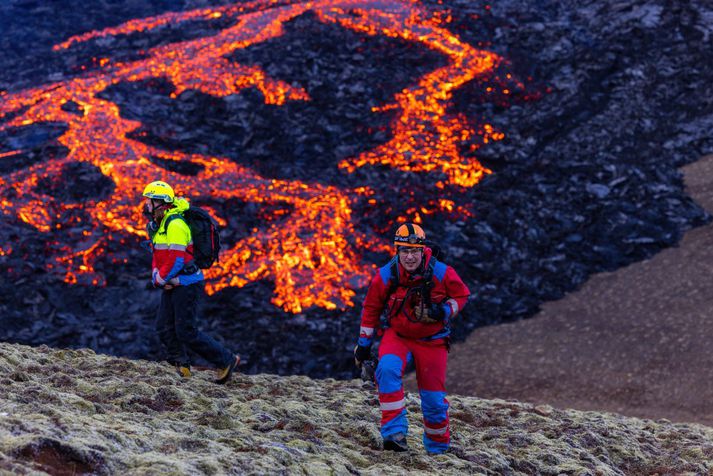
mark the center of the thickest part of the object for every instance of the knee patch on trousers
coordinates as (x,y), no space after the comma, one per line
(389,373)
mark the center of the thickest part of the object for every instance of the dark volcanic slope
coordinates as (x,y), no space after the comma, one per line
(30,29)
(615,97)
(586,179)
(635,341)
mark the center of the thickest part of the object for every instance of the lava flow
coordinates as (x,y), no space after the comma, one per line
(309,255)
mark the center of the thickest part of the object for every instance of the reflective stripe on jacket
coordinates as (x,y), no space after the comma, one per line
(172,248)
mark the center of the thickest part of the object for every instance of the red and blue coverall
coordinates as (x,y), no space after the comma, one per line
(404,339)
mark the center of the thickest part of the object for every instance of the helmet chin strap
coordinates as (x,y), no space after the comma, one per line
(160,210)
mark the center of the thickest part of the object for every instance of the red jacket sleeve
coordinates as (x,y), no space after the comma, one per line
(457,293)
(372,308)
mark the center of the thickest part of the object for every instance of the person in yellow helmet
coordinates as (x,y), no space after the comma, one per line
(182,282)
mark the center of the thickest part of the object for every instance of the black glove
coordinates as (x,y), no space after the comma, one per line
(429,315)
(437,312)
(361,354)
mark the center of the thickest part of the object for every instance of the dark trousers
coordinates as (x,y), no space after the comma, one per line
(178,331)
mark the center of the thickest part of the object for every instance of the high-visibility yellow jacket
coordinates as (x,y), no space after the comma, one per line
(172,248)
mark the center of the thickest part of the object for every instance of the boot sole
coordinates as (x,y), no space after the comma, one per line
(390,445)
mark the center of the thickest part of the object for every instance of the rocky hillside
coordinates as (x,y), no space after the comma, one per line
(77,412)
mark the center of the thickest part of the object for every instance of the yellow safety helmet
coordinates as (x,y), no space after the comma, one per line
(410,234)
(159,190)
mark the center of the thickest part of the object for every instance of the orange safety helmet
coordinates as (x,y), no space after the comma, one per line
(410,234)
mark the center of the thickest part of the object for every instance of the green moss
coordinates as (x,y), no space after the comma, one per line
(142,419)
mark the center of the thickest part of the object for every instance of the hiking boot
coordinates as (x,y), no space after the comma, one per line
(184,371)
(396,442)
(224,374)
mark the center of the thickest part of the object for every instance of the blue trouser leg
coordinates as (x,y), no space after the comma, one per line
(436,434)
(393,356)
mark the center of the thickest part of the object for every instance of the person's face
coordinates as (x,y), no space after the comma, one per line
(410,258)
(152,206)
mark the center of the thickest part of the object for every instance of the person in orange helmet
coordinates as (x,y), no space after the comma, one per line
(182,281)
(419,297)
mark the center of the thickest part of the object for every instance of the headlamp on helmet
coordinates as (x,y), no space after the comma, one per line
(411,235)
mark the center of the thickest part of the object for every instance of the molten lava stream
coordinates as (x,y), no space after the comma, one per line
(310,254)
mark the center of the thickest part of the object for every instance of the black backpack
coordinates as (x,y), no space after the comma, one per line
(205,234)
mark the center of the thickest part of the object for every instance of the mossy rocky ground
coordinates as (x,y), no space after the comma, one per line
(76,412)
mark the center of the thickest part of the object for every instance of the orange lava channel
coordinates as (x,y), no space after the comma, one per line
(310,254)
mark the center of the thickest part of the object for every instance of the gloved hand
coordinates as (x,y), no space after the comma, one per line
(361,354)
(156,279)
(170,284)
(429,315)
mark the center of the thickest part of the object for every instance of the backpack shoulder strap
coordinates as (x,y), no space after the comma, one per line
(190,266)
(171,218)
(432,262)
(393,276)
(424,288)
(428,280)
(391,285)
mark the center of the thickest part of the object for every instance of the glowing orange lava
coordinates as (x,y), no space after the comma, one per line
(308,255)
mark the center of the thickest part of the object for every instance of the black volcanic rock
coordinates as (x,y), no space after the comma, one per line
(344,73)
(76,183)
(605,100)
